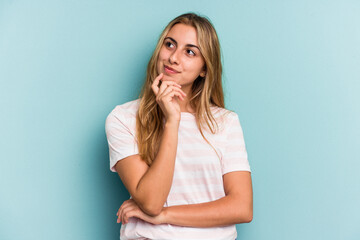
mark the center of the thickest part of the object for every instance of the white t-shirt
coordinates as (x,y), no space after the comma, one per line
(198,168)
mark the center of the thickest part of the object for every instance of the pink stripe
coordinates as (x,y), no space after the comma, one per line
(236,148)
(196,181)
(197,153)
(196,196)
(235,135)
(198,169)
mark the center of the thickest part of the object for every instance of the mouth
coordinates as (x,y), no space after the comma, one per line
(170,70)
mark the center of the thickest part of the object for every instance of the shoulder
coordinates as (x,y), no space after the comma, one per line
(127,109)
(223,115)
(124,113)
(225,118)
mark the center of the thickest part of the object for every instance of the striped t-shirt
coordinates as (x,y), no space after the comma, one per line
(198,168)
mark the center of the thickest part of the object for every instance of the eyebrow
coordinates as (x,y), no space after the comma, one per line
(187,45)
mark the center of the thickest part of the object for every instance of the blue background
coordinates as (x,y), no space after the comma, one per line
(291,72)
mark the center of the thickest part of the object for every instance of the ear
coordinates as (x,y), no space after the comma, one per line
(203,72)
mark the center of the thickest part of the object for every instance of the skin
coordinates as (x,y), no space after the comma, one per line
(150,186)
(180,51)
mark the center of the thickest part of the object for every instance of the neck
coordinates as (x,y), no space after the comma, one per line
(185,104)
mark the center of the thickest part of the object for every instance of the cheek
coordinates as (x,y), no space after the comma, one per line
(194,68)
(160,60)
(162,54)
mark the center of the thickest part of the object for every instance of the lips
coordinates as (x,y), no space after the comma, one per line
(170,70)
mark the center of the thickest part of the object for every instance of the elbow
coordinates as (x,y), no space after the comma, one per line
(244,216)
(152,209)
(246,212)
(150,205)
(249,217)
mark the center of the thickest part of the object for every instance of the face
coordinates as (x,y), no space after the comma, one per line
(180,59)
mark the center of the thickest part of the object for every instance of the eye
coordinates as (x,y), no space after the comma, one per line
(168,44)
(191,52)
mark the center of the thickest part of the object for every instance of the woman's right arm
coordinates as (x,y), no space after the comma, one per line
(149,186)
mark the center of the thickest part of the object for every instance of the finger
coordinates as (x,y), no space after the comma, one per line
(165,92)
(171,94)
(118,211)
(122,212)
(175,88)
(118,220)
(155,84)
(121,217)
(125,207)
(163,89)
(165,84)
(134,212)
(181,92)
(127,213)
(121,209)
(170,82)
(178,87)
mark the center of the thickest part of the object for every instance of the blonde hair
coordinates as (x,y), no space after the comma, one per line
(206,91)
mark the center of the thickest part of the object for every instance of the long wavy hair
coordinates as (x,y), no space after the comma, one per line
(206,91)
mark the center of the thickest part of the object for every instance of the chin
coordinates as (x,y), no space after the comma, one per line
(169,77)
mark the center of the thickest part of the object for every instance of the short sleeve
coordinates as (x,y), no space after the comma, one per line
(235,156)
(120,137)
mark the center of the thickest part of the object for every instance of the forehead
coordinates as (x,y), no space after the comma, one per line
(183,34)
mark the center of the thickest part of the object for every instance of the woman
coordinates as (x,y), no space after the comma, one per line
(178,151)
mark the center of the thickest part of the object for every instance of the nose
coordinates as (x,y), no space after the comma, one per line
(173,59)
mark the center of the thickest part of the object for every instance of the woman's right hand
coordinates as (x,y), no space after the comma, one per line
(167,96)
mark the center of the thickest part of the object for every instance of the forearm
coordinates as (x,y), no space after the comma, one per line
(222,212)
(153,188)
